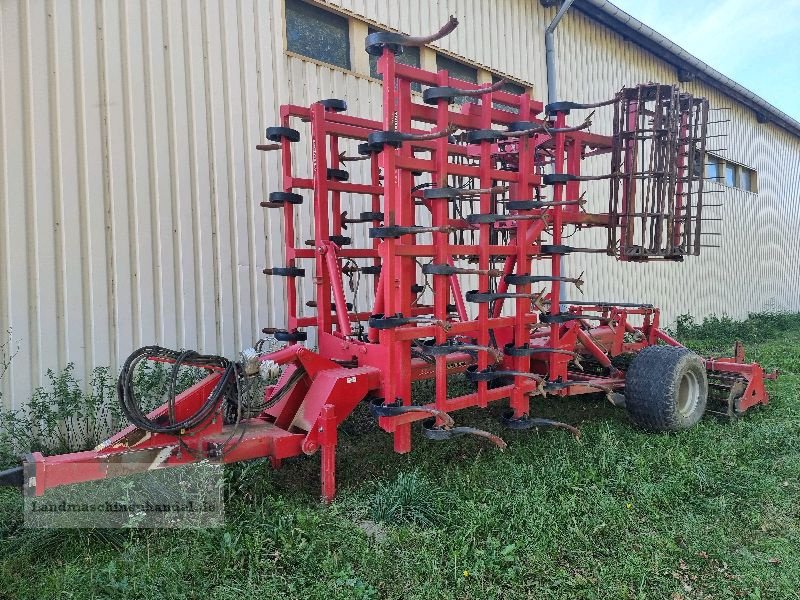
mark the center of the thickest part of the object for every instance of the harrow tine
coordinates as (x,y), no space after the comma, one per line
(446,433)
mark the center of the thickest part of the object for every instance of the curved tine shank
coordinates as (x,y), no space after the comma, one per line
(496,440)
(446,29)
(557,425)
(497,189)
(446,419)
(545,129)
(484,90)
(434,135)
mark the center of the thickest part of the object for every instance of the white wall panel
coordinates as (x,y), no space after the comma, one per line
(130,187)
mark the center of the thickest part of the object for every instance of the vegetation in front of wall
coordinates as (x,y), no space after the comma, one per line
(707,513)
(67,416)
(724,331)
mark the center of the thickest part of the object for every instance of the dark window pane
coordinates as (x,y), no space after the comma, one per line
(746,179)
(317,33)
(460,71)
(712,169)
(410,57)
(730,175)
(511,88)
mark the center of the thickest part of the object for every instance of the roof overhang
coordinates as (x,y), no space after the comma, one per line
(688,67)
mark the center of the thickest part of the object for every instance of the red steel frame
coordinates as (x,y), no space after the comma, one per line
(347,368)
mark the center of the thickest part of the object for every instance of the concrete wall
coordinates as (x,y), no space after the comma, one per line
(129,183)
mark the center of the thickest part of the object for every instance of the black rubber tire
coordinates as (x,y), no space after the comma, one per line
(658,388)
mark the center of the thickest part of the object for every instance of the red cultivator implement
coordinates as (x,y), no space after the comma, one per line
(470,190)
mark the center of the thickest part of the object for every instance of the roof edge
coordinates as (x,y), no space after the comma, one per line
(621,22)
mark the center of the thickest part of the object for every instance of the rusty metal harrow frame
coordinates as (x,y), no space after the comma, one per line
(514,335)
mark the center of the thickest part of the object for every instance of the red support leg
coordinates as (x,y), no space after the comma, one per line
(328,436)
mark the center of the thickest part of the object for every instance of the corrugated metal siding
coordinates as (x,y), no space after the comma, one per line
(130,186)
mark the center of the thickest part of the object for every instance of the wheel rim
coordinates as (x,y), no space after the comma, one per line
(688,394)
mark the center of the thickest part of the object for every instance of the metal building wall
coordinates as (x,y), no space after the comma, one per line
(129,186)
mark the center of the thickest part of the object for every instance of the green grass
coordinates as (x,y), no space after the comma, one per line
(709,513)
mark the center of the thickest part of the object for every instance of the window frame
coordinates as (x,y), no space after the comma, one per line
(336,15)
(359,65)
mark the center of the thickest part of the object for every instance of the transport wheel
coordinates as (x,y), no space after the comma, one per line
(666,388)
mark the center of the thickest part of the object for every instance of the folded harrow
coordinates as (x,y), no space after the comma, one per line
(455,229)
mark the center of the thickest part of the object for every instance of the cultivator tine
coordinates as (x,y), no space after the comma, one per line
(433,95)
(526,422)
(379,409)
(446,433)
(447,349)
(452,193)
(393,231)
(434,269)
(512,279)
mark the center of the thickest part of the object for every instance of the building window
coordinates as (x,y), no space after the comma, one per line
(317,33)
(712,168)
(747,179)
(511,88)
(458,70)
(730,175)
(410,57)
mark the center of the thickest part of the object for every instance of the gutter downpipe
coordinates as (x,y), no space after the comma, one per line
(550,51)
(552,96)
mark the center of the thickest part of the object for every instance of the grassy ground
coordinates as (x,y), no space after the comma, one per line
(710,513)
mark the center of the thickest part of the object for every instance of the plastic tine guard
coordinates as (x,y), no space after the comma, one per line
(285,272)
(286,336)
(566,106)
(560,317)
(371,216)
(280,199)
(276,134)
(522,126)
(554,249)
(366,150)
(484,135)
(525,279)
(474,375)
(434,269)
(442,192)
(340,240)
(395,231)
(378,139)
(334,104)
(477,219)
(481,297)
(432,95)
(376,42)
(552,178)
(525,204)
(371,270)
(338,174)
(381,321)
